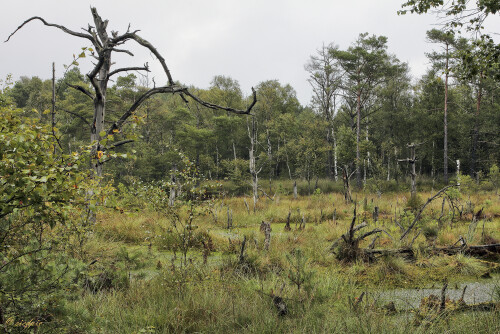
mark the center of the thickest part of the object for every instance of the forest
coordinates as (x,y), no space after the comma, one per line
(130,207)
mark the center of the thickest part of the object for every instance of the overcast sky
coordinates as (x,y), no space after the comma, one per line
(250,41)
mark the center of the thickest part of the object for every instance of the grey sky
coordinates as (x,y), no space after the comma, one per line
(250,41)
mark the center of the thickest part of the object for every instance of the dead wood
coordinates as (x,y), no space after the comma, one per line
(105,45)
(280,306)
(265,227)
(242,251)
(347,246)
(287,225)
(419,213)
(442,305)
(405,252)
(477,250)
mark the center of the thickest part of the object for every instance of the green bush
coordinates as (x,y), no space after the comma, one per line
(41,205)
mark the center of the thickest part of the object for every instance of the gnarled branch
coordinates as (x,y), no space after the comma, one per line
(120,143)
(126,69)
(63,28)
(140,101)
(217,107)
(83,90)
(79,116)
(417,216)
(123,38)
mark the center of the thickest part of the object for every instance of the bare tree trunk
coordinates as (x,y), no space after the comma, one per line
(347,186)
(335,155)
(234,151)
(267,235)
(216,161)
(413,174)
(287,163)
(358,125)
(277,170)
(388,166)
(432,160)
(252,134)
(53,110)
(171,200)
(367,168)
(445,149)
(397,164)
(103,46)
(329,162)
(364,171)
(269,158)
(229,218)
(475,134)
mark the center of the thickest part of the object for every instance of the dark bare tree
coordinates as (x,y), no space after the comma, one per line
(105,45)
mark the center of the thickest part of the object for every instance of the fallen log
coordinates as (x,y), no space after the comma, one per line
(407,253)
(476,250)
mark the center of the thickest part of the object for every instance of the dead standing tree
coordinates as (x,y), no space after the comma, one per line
(412,159)
(104,46)
(252,135)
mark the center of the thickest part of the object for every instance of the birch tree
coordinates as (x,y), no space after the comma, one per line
(325,79)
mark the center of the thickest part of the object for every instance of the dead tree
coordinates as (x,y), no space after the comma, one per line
(411,160)
(104,45)
(252,135)
(265,227)
(419,213)
(347,246)
(287,225)
(346,177)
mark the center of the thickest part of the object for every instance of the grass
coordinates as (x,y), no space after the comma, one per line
(215,292)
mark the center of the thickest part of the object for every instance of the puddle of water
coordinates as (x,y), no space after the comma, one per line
(406,299)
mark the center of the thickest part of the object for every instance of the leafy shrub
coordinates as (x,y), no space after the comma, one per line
(42,200)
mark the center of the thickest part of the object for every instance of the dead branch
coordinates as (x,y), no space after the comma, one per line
(265,194)
(367,234)
(83,90)
(166,89)
(349,250)
(132,36)
(126,69)
(417,216)
(217,107)
(120,143)
(75,114)
(63,28)
(477,250)
(405,252)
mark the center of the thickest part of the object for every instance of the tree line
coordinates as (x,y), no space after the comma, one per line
(365,112)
